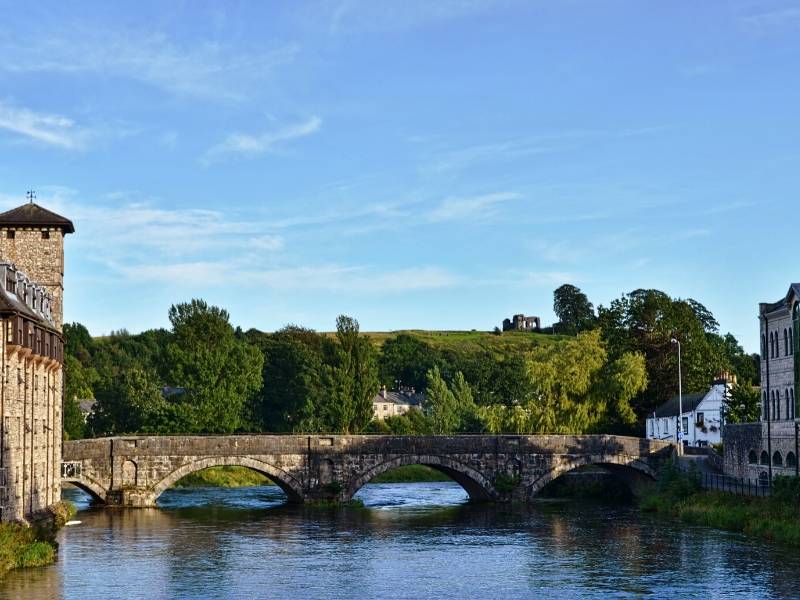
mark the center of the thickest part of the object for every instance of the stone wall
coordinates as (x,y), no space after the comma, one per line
(134,471)
(42,260)
(30,432)
(743,439)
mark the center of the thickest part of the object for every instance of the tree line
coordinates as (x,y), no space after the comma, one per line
(605,372)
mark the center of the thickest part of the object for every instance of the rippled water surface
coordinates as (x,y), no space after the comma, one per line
(411,541)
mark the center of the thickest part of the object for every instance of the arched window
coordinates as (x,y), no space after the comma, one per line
(791,341)
(752,458)
(763,345)
(764,406)
(785,342)
(793,414)
(777,459)
(791,460)
(764,457)
(788,414)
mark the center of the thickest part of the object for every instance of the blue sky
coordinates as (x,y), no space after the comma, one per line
(414,164)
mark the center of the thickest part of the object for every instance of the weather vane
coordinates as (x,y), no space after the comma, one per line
(31,196)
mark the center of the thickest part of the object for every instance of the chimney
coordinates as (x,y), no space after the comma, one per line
(383,391)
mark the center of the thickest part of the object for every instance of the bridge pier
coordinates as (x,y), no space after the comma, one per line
(135,471)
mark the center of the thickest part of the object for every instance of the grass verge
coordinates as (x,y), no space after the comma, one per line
(775,519)
(226,476)
(33,546)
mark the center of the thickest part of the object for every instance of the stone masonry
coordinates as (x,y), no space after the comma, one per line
(31,356)
(135,471)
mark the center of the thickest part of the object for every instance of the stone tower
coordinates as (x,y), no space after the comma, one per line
(32,238)
(31,359)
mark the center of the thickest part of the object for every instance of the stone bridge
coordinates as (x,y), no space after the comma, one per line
(135,470)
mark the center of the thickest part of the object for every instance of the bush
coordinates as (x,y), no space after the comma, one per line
(786,489)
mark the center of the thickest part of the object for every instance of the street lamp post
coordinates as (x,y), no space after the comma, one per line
(678,437)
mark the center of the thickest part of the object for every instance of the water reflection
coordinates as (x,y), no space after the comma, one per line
(410,541)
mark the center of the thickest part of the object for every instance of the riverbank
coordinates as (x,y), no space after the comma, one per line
(33,546)
(776,518)
(234,477)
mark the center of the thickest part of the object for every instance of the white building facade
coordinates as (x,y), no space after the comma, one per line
(701,422)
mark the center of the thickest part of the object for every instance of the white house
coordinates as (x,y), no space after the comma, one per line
(701,419)
(390,404)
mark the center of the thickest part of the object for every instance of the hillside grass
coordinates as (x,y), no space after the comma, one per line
(466,340)
(225,476)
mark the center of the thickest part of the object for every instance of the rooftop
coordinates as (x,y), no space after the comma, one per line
(33,215)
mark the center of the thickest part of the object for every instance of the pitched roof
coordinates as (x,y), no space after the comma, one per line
(398,398)
(33,215)
(670,407)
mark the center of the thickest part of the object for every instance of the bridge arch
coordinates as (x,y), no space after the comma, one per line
(626,468)
(291,487)
(474,483)
(97,492)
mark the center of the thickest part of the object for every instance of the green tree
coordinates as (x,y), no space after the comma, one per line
(292,389)
(351,380)
(742,404)
(219,372)
(406,359)
(77,386)
(441,406)
(574,311)
(133,403)
(645,322)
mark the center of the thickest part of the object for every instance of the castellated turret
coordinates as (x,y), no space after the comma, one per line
(31,359)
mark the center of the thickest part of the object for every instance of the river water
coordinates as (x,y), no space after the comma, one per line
(415,540)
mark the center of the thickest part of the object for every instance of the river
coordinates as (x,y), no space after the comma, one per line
(414,540)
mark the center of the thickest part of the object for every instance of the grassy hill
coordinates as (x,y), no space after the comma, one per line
(467,340)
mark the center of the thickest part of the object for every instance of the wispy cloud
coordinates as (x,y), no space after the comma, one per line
(208,69)
(44,128)
(788,16)
(460,208)
(244,144)
(353,16)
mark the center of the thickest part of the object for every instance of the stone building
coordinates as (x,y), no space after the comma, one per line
(392,403)
(31,355)
(522,323)
(755,450)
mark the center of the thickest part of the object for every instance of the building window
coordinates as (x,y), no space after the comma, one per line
(791,460)
(786,342)
(752,458)
(685,425)
(763,345)
(764,457)
(792,413)
(791,341)
(777,459)
(788,406)
(11,234)
(700,419)
(45,235)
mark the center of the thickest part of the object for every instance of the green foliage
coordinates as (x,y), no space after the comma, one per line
(786,489)
(506,483)
(219,372)
(351,380)
(19,547)
(225,477)
(441,406)
(571,388)
(411,474)
(743,404)
(645,322)
(293,388)
(405,360)
(776,518)
(573,309)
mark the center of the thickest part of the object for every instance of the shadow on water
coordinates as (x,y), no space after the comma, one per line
(409,541)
